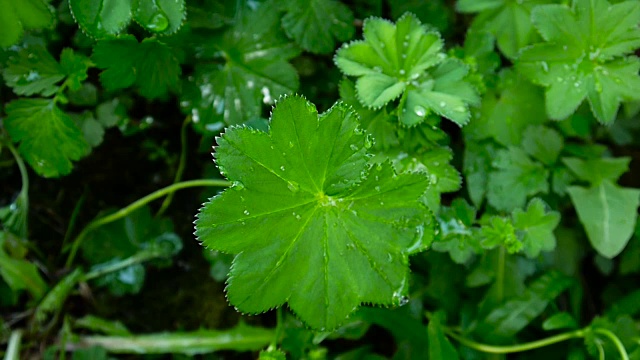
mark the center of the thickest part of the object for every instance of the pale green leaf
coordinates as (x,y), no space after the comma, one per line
(100,18)
(498,231)
(608,214)
(457,235)
(316,25)
(330,231)
(597,170)
(49,140)
(17,16)
(33,71)
(584,56)
(542,143)
(535,227)
(379,123)
(405,59)
(516,177)
(509,21)
(477,167)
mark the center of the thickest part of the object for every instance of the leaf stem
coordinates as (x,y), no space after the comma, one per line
(110,267)
(615,340)
(279,328)
(181,165)
(13,348)
(136,205)
(493,349)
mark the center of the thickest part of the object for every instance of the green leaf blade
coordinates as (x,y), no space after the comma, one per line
(58,141)
(608,213)
(101,18)
(325,217)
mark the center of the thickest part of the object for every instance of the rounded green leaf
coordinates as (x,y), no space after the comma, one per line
(310,222)
(99,18)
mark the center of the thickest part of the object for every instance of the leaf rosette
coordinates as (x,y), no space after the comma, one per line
(405,60)
(310,221)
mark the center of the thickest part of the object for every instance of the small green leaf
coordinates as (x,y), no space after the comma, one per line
(542,143)
(561,320)
(33,71)
(57,141)
(150,65)
(17,16)
(74,67)
(509,21)
(508,110)
(316,25)
(406,60)
(477,167)
(439,345)
(274,354)
(595,61)
(379,123)
(457,235)
(499,231)
(20,274)
(159,16)
(507,320)
(101,325)
(598,170)
(339,229)
(516,177)
(100,18)
(608,214)
(535,227)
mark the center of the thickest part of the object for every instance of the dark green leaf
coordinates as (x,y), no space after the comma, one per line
(33,71)
(535,227)
(315,25)
(100,18)
(439,345)
(561,320)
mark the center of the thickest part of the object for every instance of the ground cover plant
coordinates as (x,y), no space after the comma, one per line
(320,180)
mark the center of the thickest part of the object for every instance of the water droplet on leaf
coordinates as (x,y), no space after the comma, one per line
(159,22)
(293,186)
(246,212)
(419,110)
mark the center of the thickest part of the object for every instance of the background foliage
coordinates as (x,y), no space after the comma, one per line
(473,195)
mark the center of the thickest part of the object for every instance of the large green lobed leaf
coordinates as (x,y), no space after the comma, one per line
(310,222)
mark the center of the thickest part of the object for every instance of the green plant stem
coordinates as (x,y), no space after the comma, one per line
(137,258)
(279,327)
(136,205)
(73,219)
(13,348)
(615,340)
(24,176)
(181,165)
(492,349)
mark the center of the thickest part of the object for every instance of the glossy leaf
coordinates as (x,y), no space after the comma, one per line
(254,70)
(18,16)
(159,16)
(597,170)
(316,25)
(150,65)
(405,60)
(58,141)
(608,214)
(100,18)
(595,61)
(337,229)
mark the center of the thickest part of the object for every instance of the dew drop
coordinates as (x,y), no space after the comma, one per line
(389,257)
(237,185)
(250,84)
(419,110)
(545,66)
(442,104)
(290,144)
(433,179)
(266,95)
(246,212)
(402,72)
(406,43)
(159,22)
(353,147)
(377,188)
(293,186)
(368,142)
(377,69)
(282,168)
